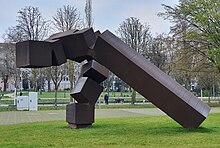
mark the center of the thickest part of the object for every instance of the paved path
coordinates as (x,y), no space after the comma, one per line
(16,117)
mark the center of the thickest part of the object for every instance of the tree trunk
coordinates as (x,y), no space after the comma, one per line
(55,101)
(209,98)
(34,73)
(5,80)
(133,96)
(71,76)
(41,85)
(108,84)
(48,85)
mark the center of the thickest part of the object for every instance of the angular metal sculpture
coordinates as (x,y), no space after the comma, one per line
(108,50)
(58,55)
(95,71)
(150,81)
(79,115)
(86,91)
(38,54)
(77,44)
(34,54)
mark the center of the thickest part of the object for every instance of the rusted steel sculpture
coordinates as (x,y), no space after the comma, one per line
(86,93)
(108,50)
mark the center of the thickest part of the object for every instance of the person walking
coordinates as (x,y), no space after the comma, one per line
(106,98)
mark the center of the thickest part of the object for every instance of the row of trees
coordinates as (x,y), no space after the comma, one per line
(195,31)
(7,63)
(189,53)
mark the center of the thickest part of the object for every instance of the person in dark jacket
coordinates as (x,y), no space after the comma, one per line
(106,98)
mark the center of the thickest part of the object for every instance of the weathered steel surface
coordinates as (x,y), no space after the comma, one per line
(86,91)
(95,71)
(74,44)
(58,55)
(150,81)
(77,44)
(62,34)
(38,54)
(33,54)
(79,114)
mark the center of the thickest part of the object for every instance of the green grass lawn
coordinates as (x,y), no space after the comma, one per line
(66,94)
(119,105)
(111,106)
(148,131)
(112,95)
(52,94)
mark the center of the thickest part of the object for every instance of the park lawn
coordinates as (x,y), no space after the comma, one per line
(62,94)
(66,95)
(52,94)
(119,105)
(150,131)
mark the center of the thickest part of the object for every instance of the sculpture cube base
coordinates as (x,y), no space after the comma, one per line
(79,115)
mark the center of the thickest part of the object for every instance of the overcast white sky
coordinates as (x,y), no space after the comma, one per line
(107,14)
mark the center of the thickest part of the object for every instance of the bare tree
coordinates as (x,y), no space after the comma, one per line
(137,36)
(57,73)
(158,51)
(207,81)
(48,78)
(67,18)
(30,26)
(88,12)
(13,35)
(7,62)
